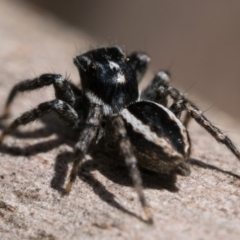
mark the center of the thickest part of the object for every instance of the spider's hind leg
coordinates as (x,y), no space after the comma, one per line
(64,90)
(195,113)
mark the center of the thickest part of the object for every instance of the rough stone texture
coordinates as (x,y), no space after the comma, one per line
(34,161)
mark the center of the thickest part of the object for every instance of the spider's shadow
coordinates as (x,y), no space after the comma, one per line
(204,165)
(113,169)
(51,126)
(109,164)
(67,136)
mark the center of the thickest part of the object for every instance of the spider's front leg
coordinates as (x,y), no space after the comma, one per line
(182,103)
(64,111)
(87,135)
(64,90)
(118,126)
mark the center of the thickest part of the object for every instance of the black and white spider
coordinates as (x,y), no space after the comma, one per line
(147,130)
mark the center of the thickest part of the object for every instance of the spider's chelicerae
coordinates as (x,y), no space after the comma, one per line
(147,130)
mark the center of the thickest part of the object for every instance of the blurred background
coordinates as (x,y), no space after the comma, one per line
(197,41)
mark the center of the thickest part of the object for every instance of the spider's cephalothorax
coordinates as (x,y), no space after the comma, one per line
(146,127)
(107,78)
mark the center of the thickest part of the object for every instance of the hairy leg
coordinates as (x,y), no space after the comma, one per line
(177,108)
(64,111)
(131,162)
(155,90)
(194,112)
(87,135)
(76,90)
(63,89)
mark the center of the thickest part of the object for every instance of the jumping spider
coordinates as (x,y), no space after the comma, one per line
(147,130)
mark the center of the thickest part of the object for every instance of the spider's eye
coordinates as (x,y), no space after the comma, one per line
(82,62)
(114,66)
(94,66)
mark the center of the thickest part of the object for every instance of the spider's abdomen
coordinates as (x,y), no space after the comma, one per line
(159,139)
